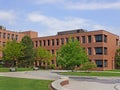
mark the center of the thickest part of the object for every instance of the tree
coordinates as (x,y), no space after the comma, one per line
(118,58)
(12,51)
(42,55)
(71,55)
(28,57)
(88,66)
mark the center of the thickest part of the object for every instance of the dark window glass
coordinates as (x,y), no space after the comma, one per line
(44,42)
(62,41)
(99,50)
(67,40)
(78,38)
(52,61)
(105,63)
(48,42)
(8,36)
(53,42)
(89,51)
(89,39)
(105,50)
(16,37)
(36,43)
(40,42)
(83,39)
(57,41)
(12,36)
(105,38)
(4,35)
(98,38)
(99,63)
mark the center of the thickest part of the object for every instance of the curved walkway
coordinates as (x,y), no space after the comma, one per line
(76,82)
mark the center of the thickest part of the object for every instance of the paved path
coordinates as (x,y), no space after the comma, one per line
(76,83)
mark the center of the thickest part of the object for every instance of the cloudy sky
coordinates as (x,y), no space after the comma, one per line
(50,16)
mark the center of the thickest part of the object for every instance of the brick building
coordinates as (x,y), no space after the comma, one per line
(100,45)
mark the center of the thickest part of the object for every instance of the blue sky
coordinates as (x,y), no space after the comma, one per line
(50,16)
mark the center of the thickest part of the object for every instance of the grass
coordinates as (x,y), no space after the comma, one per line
(8,83)
(18,69)
(92,74)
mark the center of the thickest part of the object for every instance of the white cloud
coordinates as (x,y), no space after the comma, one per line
(54,25)
(93,5)
(7,16)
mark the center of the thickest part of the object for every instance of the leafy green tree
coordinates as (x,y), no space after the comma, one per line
(42,55)
(28,58)
(88,66)
(12,51)
(118,58)
(71,55)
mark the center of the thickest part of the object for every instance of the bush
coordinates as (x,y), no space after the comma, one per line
(88,66)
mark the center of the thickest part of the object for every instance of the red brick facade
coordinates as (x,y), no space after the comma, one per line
(100,45)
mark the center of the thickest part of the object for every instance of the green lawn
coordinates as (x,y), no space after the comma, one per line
(92,73)
(8,83)
(18,69)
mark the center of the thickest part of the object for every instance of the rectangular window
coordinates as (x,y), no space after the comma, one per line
(16,37)
(83,39)
(40,42)
(48,42)
(0,34)
(105,63)
(99,50)
(99,63)
(105,38)
(44,42)
(67,40)
(78,38)
(4,35)
(117,42)
(89,51)
(12,36)
(36,43)
(89,39)
(62,41)
(52,61)
(105,50)
(53,42)
(8,36)
(98,38)
(57,42)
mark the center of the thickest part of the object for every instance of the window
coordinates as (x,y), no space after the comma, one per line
(105,63)
(105,38)
(99,63)
(36,43)
(53,42)
(99,50)
(105,50)
(78,38)
(98,38)
(40,43)
(89,39)
(16,37)
(44,42)
(89,51)
(83,39)
(52,61)
(4,35)
(53,52)
(117,42)
(67,40)
(72,39)
(48,42)
(0,34)
(12,36)
(57,41)
(62,41)
(8,36)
